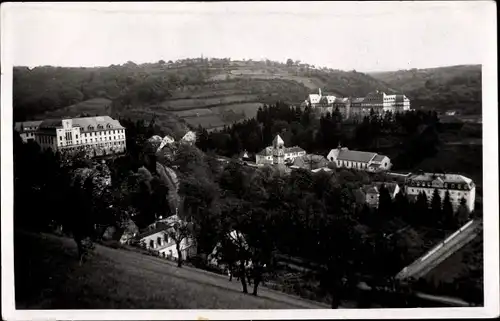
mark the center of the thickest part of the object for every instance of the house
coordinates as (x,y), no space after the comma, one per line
(158,240)
(97,136)
(457,185)
(27,129)
(189,137)
(367,161)
(167,140)
(277,153)
(245,156)
(372,192)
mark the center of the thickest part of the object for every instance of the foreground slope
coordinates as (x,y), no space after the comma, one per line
(47,276)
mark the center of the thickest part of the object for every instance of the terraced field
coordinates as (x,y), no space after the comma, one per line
(96,106)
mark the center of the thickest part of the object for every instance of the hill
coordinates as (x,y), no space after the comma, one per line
(119,279)
(207,92)
(445,88)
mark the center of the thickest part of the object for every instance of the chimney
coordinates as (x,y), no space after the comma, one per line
(319,92)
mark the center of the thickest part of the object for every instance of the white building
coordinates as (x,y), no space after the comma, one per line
(395,103)
(316,99)
(158,240)
(27,129)
(277,153)
(367,161)
(458,186)
(100,135)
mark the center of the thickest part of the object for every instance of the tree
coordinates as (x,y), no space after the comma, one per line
(384,202)
(462,211)
(436,211)
(179,231)
(421,208)
(289,62)
(448,214)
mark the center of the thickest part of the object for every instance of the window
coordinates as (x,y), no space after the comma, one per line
(60,137)
(76,136)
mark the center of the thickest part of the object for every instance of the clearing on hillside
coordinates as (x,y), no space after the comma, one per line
(48,276)
(95,106)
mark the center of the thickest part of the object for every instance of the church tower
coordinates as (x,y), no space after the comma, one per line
(278,150)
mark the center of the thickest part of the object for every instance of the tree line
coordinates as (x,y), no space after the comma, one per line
(407,137)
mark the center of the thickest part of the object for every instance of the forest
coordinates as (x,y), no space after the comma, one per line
(323,220)
(407,138)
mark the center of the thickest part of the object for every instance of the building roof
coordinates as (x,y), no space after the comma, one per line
(378,158)
(314,98)
(375,187)
(294,149)
(268,151)
(444,178)
(358,100)
(371,189)
(359,196)
(83,122)
(278,141)
(308,161)
(355,156)
(19,126)
(190,136)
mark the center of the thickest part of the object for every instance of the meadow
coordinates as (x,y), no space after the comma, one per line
(48,276)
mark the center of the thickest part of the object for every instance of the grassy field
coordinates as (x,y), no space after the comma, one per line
(47,276)
(201,102)
(96,106)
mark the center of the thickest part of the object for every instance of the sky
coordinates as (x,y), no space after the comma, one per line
(368,36)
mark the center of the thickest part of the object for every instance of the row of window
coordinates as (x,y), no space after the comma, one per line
(46,139)
(445,185)
(452,193)
(342,163)
(109,132)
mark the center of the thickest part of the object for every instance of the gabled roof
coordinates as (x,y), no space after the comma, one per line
(268,151)
(355,156)
(370,189)
(378,158)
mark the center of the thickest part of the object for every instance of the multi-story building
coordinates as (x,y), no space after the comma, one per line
(355,107)
(457,185)
(27,129)
(367,161)
(100,135)
(277,153)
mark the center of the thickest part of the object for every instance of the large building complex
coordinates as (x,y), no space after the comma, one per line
(458,186)
(367,161)
(277,153)
(100,135)
(352,107)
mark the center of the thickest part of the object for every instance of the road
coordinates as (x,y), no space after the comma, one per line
(47,276)
(441,252)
